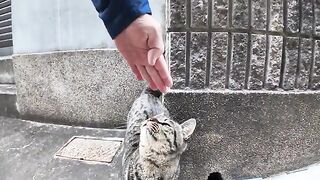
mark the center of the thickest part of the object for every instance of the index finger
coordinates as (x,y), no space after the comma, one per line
(162,68)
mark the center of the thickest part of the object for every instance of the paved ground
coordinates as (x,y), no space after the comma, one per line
(308,173)
(27,151)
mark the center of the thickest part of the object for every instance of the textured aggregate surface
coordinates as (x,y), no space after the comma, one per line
(27,151)
(6,70)
(89,88)
(248,134)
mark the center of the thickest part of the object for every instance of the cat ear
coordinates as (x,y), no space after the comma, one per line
(188,128)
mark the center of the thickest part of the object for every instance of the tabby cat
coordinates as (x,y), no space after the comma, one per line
(154,142)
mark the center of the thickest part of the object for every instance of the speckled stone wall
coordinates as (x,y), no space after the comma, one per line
(6,71)
(84,88)
(244,44)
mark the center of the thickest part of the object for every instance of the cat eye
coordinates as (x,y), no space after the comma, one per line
(165,124)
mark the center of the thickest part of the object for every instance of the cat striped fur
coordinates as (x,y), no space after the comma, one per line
(153,143)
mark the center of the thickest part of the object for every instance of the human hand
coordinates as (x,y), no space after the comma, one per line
(141,45)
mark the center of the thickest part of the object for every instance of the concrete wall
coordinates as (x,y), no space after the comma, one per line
(6,70)
(239,75)
(87,88)
(53,25)
(247,134)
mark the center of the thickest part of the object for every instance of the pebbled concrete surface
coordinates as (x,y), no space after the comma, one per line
(88,88)
(8,100)
(247,135)
(27,152)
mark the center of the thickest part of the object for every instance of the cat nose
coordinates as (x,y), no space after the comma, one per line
(154,120)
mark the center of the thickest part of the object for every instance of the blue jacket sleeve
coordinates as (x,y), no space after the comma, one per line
(119,14)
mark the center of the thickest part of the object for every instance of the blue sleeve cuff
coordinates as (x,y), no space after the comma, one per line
(117,15)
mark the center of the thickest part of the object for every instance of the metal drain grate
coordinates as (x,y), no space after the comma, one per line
(92,149)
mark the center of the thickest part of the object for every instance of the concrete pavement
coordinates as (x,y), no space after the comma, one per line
(27,151)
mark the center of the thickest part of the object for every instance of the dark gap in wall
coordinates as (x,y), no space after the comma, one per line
(229,59)
(296,83)
(230,43)
(249,48)
(285,27)
(215,176)
(208,65)
(188,54)
(188,39)
(267,58)
(313,46)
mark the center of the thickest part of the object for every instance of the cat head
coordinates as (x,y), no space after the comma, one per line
(162,139)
